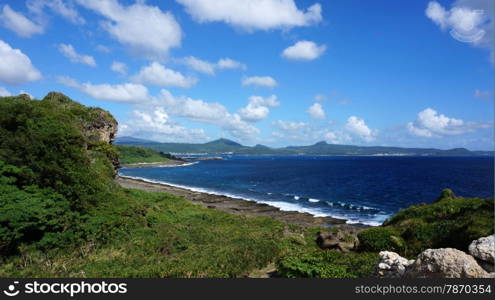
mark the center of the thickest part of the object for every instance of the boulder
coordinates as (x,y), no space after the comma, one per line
(391,265)
(445,263)
(336,240)
(483,249)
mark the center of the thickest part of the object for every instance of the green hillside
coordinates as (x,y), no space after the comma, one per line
(320,148)
(139,154)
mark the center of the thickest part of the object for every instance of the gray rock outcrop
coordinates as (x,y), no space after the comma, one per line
(445,263)
(483,250)
(391,265)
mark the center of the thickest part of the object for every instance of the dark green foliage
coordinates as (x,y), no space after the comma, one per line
(448,222)
(381,238)
(138,154)
(327,264)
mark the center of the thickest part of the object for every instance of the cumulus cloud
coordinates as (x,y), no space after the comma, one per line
(126,92)
(103,49)
(68,51)
(263,81)
(304,50)
(336,137)
(316,111)
(62,8)
(4,92)
(145,29)
(468,21)
(158,126)
(119,67)
(358,127)
(206,112)
(228,63)
(16,67)
(209,68)
(18,23)
(251,15)
(258,108)
(430,123)
(157,74)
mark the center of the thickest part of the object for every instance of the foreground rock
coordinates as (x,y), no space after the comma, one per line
(483,250)
(445,263)
(392,265)
(336,240)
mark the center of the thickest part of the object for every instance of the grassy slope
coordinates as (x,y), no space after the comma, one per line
(138,154)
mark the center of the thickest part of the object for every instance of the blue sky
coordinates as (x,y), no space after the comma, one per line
(275,72)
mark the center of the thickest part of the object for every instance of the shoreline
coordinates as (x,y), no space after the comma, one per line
(168,163)
(240,206)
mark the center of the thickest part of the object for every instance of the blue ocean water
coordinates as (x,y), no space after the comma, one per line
(360,189)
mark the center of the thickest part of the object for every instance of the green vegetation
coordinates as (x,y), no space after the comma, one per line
(139,154)
(327,264)
(381,238)
(449,222)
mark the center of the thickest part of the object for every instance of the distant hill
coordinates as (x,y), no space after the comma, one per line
(320,148)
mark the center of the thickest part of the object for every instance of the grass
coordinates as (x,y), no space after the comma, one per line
(138,154)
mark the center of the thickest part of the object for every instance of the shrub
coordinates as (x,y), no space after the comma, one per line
(381,238)
(326,264)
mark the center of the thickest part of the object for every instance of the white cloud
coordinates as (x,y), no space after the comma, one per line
(320,97)
(483,94)
(157,74)
(228,63)
(18,23)
(209,68)
(468,21)
(126,92)
(258,108)
(264,81)
(358,127)
(199,65)
(68,51)
(119,67)
(157,125)
(206,112)
(4,92)
(64,9)
(430,123)
(290,126)
(15,66)
(336,137)
(103,49)
(148,31)
(253,15)
(316,111)
(304,50)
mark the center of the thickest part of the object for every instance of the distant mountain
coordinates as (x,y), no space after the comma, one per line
(321,148)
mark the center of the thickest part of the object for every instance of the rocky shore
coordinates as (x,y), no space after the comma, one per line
(168,163)
(241,206)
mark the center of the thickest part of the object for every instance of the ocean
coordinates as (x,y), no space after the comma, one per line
(361,189)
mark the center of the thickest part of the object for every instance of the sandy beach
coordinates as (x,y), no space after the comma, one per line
(239,206)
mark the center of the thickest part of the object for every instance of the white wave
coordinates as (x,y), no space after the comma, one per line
(297,197)
(313,200)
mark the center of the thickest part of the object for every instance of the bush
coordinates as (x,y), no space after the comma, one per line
(379,239)
(326,264)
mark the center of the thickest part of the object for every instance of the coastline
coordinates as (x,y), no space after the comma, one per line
(239,206)
(168,163)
